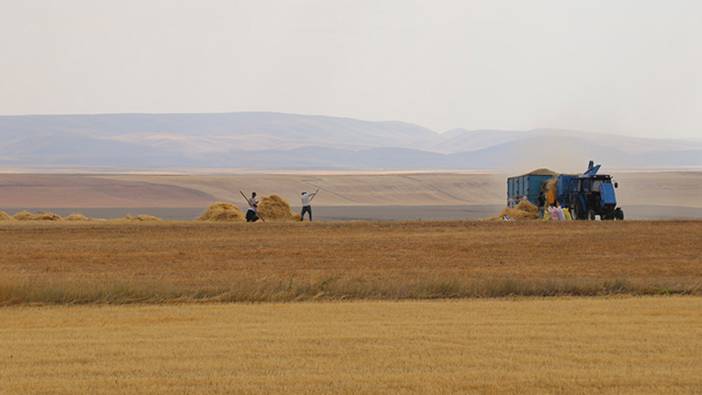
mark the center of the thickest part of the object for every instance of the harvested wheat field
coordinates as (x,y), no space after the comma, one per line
(575,345)
(157,262)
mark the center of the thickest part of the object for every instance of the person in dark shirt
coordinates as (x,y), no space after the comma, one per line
(542,203)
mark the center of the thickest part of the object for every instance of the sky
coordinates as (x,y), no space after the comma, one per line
(618,66)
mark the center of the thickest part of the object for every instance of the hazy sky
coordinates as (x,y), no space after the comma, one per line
(631,67)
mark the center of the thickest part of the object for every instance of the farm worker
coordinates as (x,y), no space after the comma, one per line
(306,199)
(252,211)
(553,211)
(542,203)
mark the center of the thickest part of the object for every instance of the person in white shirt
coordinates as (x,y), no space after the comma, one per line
(252,212)
(306,199)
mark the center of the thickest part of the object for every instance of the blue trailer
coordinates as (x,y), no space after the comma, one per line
(527,185)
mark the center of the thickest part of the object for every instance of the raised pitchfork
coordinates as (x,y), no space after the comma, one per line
(251,205)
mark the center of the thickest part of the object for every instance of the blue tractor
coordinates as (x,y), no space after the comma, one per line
(589,195)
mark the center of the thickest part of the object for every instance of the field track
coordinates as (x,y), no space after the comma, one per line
(186,262)
(574,345)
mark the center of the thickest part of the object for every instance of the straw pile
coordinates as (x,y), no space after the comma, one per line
(142,218)
(76,217)
(40,216)
(527,206)
(525,210)
(4,216)
(222,212)
(275,208)
(46,216)
(542,172)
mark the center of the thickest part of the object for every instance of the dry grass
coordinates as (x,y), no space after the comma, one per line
(580,345)
(222,212)
(142,218)
(5,216)
(171,262)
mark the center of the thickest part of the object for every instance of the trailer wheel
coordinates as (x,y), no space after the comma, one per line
(591,215)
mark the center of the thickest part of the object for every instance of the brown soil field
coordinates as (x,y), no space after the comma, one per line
(58,190)
(66,263)
(678,189)
(639,188)
(570,346)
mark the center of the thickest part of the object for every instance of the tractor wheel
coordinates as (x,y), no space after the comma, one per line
(619,214)
(580,214)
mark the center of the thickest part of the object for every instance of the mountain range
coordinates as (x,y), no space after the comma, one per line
(267,141)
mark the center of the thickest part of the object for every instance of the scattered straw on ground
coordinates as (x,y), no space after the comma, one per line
(76,217)
(525,210)
(40,216)
(222,212)
(142,218)
(275,208)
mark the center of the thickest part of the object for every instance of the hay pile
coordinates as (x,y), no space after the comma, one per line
(40,216)
(142,218)
(528,207)
(222,212)
(525,210)
(275,208)
(4,216)
(76,217)
(24,216)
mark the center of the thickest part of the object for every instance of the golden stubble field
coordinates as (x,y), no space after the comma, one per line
(177,262)
(630,345)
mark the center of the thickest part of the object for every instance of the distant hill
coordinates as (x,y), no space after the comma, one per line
(261,140)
